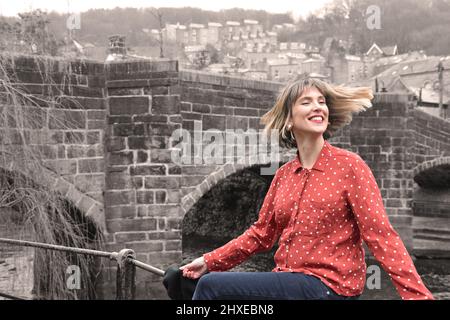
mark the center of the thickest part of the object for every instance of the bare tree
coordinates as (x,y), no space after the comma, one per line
(159,16)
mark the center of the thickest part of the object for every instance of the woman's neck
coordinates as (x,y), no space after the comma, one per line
(309,150)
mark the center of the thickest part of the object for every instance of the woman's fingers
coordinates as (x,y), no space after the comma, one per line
(191,274)
(186,266)
(194,269)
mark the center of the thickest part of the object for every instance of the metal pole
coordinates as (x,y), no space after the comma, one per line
(24,243)
(110,255)
(147,267)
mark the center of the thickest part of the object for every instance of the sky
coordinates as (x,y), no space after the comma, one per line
(297,7)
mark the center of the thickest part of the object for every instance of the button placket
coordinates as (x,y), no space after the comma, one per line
(303,181)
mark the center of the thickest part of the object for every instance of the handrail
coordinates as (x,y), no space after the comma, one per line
(110,255)
(147,267)
(58,247)
(10,297)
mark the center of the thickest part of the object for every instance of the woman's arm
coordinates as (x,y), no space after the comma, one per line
(261,236)
(383,241)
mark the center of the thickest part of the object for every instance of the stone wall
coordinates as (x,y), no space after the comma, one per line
(431,135)
(69,134)
(383,137)
(16,263)
(431,223)
(142,184)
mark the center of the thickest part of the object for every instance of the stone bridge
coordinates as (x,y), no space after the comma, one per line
(112,157)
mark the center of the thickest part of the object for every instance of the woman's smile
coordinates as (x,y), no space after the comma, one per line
(316,119)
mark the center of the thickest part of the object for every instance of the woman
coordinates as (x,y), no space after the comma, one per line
(321,206)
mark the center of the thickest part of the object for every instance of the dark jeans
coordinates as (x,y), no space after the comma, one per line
(263,286)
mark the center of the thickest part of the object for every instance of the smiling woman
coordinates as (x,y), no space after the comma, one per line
(320,207)
(335,104)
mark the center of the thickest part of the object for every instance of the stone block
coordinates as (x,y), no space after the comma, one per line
(120,158)
(166,104)
(129,105)
(123,197)
(91,165)
(149,170)
(138,224)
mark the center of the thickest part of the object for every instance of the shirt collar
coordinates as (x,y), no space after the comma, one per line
(321,161)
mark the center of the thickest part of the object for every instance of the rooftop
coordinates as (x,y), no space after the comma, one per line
(247,21)
(415,66)
(214,24)
(196,26)
(233,23)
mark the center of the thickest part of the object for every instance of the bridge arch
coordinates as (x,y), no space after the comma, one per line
(224,171)
(44,207)
(434,174)
(90,207)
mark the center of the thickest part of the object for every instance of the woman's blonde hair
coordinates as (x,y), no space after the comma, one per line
(342,102)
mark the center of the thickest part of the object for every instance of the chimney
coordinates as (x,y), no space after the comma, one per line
(117,45)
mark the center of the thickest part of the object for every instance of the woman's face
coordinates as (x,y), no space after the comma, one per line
(310,112)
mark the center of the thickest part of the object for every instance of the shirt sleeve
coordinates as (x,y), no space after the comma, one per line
(260,236)
(382,240)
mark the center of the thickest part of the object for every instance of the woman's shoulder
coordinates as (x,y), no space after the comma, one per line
(345,155)
(347,158)
(284,169)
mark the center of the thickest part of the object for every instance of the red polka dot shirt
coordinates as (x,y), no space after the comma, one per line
(321,217)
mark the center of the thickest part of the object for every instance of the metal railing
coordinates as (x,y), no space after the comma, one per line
(125,258)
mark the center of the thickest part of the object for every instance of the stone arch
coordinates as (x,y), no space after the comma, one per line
(436,170)
(221,173)
(69,218)
(90,207)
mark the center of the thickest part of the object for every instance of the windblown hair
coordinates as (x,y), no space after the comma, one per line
(342,102)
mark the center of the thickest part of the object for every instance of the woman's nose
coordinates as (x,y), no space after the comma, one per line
(317,106)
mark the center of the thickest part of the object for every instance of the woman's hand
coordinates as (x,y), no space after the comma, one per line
(195,269)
